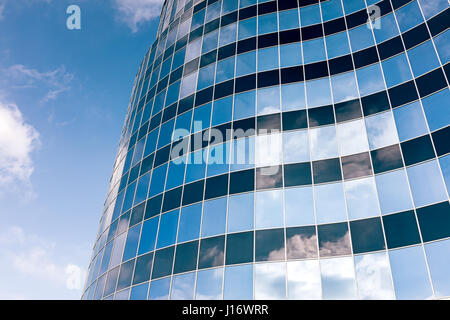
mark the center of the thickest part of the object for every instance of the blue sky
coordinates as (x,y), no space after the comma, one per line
(63,99)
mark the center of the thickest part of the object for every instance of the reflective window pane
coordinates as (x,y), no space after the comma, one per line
(238,282)
(304,280)
(393,191)
(338,278)
(299,206)
(270,281)
(426,183)
(269,209)
(439,262)
(334,239)
(381,130)
(209,284)
(362,201)
(330,203)
(409,273)
(183,287)
(241,212)
(214,217)
(373,277)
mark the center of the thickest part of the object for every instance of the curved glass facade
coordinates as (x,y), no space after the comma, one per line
(284,150)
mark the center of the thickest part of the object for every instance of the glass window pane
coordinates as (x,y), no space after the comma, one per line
(338,278)
(131,245)
(426,183)
(370,79)
(159,289)
(125,275)
(362,201)
(269,209)
(442,43)
(168,229)
(288,19)
(190,222)
(388,30)
(209,284)
(143,268)
(304,280)
(290,55)
(210,41)
(238,282)
(268,100)
(139,292)
(352,137)
(409,273)
(222,110)
(148,236)
(116,256)
(337,45)
(293,96)
(410,121)
(295,146)
(373,277)
(225,69)
(409,16)
(396,70)
(318,92)
(270,281)
(310,15)
(393,191)
(183,287)
(193,49)
(423,58)
(211,252)
(244,105)
(269,245)
(330,203)
(344,87)
(267,23)
(247,28)
(331,9)
(299,205)
(439,263)
(246,63)
(206,77)
(381,130)
(323,143)
(228,34)
(188,84)
(267,58)
(214,217)
(360,38)
(334,239)
(314,50)
(301,242)
(241,212)
(436,109)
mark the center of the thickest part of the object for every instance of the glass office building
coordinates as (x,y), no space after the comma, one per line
(292,149)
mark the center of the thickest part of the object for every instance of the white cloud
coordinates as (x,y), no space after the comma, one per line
(34,257)
(2,10)
(18,140)
(54,82)
(136,12)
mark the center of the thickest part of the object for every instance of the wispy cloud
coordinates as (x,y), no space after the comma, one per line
(18,140)
(2,10)
(35,257)
(136,12)
(54,82)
